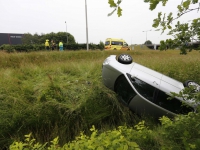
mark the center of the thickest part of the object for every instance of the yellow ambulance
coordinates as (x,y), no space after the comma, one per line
(116,44)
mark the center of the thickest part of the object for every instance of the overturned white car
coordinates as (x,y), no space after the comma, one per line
(144,90)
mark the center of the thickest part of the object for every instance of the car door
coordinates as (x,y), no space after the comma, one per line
(170,85)
(147,75)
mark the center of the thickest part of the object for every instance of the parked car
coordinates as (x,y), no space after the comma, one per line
(144,90)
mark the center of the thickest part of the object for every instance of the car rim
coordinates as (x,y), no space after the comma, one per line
(197,87)
(125,57)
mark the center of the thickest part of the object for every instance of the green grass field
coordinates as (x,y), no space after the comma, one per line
(55,93)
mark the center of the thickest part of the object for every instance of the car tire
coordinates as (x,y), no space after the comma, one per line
(192,83)
(125,59)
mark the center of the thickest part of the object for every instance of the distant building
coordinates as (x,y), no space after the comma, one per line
(10,38)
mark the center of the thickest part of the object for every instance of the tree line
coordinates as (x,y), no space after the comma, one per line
(40,39)
(36,42)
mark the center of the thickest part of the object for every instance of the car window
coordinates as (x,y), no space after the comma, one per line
(159,97)
(125,44)
(116,43)
(124,90)
(173,104)
(143,88)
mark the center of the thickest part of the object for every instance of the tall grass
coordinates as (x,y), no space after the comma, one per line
(60,93)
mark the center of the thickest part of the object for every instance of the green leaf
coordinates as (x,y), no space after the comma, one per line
(169,18)
(164,2)
(169,27)
(119,11)
(156,23)
(119,2)
(186,4)
(180,9)
(159,15)
(194,1)
(153,4)
(112,3)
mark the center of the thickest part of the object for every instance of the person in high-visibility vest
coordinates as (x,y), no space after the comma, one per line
(46,45)
(60,46)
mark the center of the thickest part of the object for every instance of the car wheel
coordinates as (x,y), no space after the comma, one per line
(125,59)
(192,83)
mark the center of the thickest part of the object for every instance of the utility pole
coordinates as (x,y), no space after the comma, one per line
(66,31)
(146,34)
(86,24)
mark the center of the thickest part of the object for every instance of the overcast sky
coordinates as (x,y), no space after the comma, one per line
(46,16)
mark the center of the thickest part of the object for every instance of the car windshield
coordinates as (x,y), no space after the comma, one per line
(107,43)
(159,97)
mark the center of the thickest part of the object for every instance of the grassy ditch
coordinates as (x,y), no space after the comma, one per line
(52,94)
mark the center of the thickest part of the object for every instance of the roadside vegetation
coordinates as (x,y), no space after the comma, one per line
(57,100)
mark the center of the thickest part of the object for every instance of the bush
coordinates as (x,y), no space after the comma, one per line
(180,133)
(119,139)
(8,48)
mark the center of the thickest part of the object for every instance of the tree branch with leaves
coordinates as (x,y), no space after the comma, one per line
(184,34)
